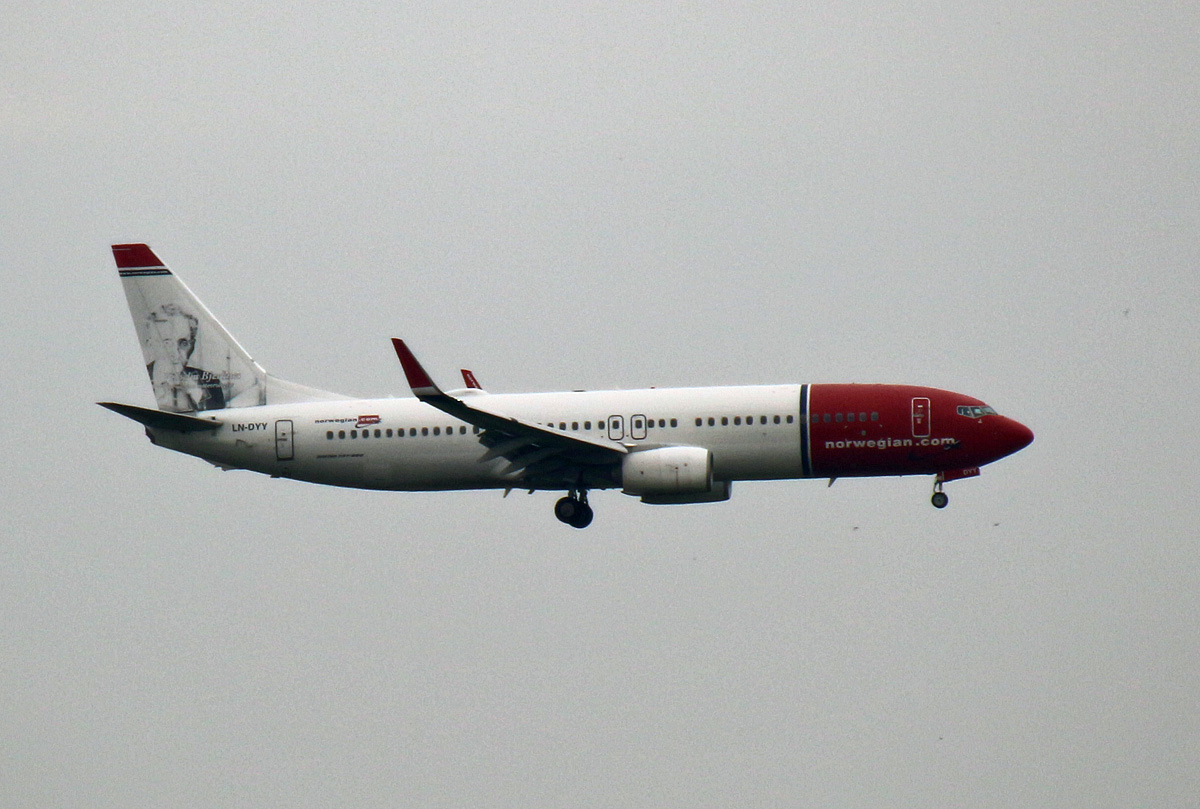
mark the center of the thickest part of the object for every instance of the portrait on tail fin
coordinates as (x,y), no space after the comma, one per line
(178,386)
(193,362)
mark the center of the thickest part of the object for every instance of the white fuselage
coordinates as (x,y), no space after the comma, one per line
(403,444)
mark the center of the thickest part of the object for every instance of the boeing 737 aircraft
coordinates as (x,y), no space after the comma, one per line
(664,445)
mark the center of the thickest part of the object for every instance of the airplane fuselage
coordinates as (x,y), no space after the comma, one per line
(664,445)
(753,432)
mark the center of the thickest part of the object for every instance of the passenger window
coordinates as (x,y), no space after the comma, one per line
(354,433)
(699,421)
(776,419)
(737,420)
(574,425)
(874,417)
(789,419)
(424,431)
(379,434)
(711,421)
(862,416)
(389,432)
(341,433)
(826,418)
(724,421)
(849,417)
(674,422)
(329,435)
(437,430)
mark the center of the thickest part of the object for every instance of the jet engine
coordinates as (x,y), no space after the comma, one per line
(667,471)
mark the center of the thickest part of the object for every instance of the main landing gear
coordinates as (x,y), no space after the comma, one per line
(574,509)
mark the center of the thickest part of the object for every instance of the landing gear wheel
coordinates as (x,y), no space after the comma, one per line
(939,500)
(574,510)
(567,509)
(584,518)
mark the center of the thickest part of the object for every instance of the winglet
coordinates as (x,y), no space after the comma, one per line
(418,380)
(470,380)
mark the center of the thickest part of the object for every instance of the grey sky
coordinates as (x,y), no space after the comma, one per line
(999,199)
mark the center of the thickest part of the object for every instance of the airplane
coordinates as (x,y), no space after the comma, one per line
(662,445)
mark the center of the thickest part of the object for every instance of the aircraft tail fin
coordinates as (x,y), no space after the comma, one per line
(193,362)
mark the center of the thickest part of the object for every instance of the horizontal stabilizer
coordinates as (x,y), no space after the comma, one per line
(161,419)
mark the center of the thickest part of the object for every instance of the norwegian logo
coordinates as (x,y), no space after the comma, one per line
(366,421)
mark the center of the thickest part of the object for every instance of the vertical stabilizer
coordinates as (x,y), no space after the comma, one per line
(193,362)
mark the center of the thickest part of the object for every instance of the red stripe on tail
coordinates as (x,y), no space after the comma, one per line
(131,256)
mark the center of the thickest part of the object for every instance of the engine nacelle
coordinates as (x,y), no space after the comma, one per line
(667,471)
(720,491)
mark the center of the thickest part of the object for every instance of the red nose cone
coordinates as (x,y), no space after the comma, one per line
(1017,436)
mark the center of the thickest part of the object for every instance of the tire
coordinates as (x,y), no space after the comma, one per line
(567,510)
(583,518)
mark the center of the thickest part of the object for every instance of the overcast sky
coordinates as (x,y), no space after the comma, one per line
(1002,199)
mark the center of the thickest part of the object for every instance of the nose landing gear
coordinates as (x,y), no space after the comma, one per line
(574,509)
(940,499)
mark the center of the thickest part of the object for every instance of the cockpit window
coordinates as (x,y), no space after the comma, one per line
(976,411)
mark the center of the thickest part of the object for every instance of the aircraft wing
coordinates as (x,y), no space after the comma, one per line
(534,452)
